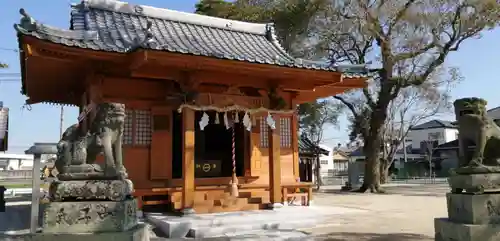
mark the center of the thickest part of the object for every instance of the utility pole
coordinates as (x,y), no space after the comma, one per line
(405,156)
(61,121)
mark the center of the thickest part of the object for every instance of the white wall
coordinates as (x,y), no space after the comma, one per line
(326,160)
(17,161)
(445,135)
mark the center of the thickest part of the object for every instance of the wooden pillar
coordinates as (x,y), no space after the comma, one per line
(274,163)
(295,147)
(188,160)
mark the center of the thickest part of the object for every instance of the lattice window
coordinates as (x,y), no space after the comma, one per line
(286,132)
(128,127)
(264,130)
(137,128)
(143,127)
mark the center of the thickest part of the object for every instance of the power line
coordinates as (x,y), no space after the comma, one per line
(9,74)
(9,80)
(9,49)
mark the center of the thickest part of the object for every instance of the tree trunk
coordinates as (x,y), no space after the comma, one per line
(371,180)
(373,147)
(384,172)
(317,171)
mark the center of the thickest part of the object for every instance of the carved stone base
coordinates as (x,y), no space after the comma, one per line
(90,216)
(475,183)
(474,209)
(446,230)
(114,190)
(91,172)
(481,169)
(137,233)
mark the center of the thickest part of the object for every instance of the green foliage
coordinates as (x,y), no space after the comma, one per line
(2,65)
(314,117)
(293,19)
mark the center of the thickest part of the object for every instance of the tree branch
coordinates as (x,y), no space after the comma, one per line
(399,15)
(350,106)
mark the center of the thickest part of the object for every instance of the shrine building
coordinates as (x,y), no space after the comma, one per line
(211,119)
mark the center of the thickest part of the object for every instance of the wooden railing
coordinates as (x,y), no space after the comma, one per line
(302,190)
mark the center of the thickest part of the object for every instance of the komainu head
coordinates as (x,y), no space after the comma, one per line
(109,114)
(470,106)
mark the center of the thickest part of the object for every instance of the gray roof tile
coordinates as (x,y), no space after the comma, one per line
(109,25)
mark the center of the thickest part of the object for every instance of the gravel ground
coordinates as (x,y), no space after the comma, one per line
(406,213)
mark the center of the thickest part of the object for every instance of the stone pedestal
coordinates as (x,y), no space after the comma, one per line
(90,210)
(473,209)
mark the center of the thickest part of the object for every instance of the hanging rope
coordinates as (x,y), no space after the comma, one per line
(234,150)
(233,108)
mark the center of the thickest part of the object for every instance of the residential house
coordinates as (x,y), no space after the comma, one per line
(340,161)
(414,162)
(434,132)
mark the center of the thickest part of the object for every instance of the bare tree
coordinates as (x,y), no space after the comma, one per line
(412,106)
(407,42)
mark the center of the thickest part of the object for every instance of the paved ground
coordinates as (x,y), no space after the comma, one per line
(406,213)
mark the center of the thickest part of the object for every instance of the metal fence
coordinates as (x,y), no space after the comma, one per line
(16,174)
(341,180)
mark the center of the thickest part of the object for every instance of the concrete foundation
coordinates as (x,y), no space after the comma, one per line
(245,223)
(138,233)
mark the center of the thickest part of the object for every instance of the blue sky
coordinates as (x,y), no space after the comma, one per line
(478,60)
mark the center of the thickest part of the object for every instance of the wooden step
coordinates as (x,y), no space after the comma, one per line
(258,200)
(176,197)
(251,207)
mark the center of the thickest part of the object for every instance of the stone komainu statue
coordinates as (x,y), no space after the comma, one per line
(475,128)
(77,151)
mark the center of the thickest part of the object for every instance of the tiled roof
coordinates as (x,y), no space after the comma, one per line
(434,124)
(306,147)
(114,26)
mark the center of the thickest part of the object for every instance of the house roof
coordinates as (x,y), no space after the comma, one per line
(306,147)
(114,26)
(409,150)
(434,124)
(450,145)
(494,113)
(357,152)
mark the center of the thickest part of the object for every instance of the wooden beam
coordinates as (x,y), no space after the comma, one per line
(74,52)
(243,67)
(324,92)
(30,50)
(188,165)
(153,71)
(137,59)
(274,162)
